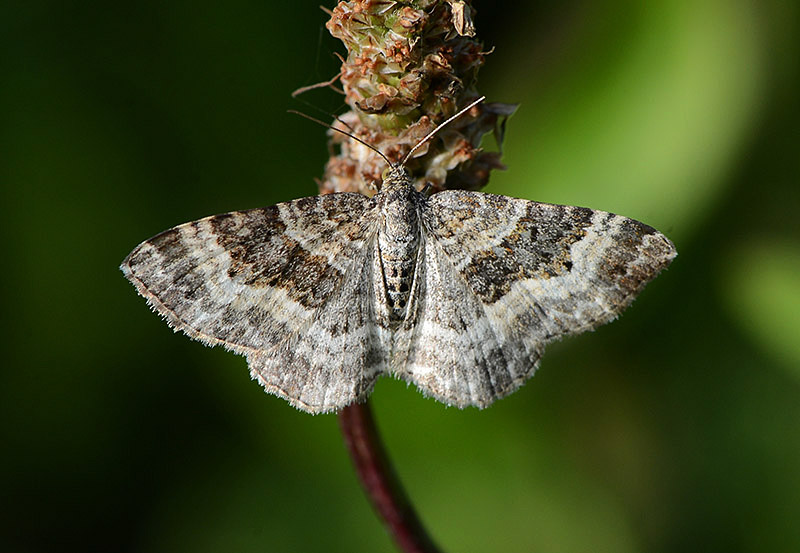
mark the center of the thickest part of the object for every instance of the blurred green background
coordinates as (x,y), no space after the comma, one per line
(674,429)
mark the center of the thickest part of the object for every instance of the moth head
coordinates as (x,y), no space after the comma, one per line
(395,174)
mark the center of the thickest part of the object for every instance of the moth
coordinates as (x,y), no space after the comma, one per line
(458,292)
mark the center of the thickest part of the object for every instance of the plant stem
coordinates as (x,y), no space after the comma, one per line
(380,481)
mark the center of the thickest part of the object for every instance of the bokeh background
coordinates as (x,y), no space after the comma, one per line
(677,428)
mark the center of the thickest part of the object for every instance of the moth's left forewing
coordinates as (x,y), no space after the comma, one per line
(574,267)
(541,271)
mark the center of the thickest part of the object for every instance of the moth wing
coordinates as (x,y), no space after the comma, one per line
(505,276)
(265,283)
(339,353)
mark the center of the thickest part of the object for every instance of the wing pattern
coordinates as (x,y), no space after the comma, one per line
(299,289)
(283,285)
(507,276)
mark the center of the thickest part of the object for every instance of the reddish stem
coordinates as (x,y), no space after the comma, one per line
(380,480)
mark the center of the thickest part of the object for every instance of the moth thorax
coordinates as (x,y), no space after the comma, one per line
(398,244)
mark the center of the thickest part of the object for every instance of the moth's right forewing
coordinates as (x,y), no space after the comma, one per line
(248,279)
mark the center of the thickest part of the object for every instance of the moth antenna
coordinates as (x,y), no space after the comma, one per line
(349,135)
(320,110)
(439,127)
